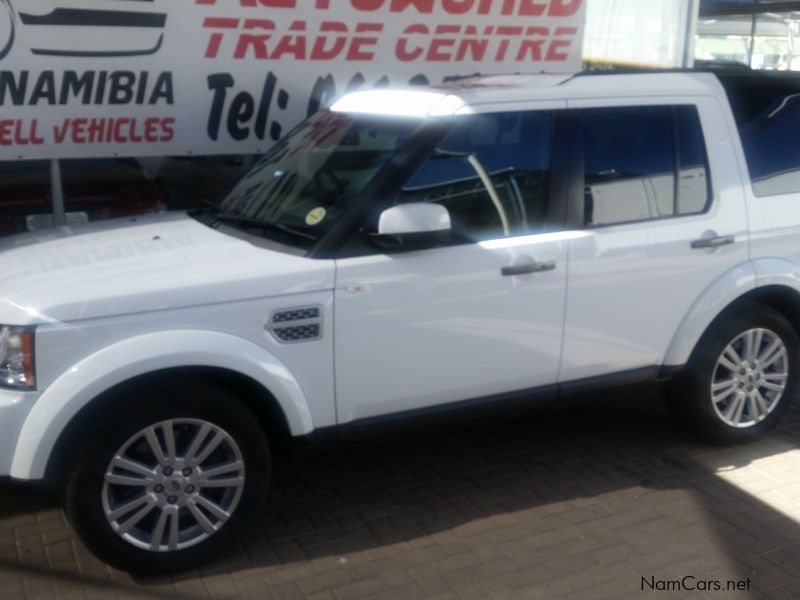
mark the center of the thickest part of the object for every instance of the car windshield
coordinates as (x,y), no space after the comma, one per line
(299,189)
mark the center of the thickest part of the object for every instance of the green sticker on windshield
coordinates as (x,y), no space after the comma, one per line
(316,216)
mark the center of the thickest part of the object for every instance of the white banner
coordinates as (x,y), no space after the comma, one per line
(640,34)
(89,78)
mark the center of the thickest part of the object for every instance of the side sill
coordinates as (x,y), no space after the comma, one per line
(494,405)
(465,409)
(619,381)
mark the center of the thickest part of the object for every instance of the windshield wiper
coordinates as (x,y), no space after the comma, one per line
(210,205)
(207,208)
(251,223)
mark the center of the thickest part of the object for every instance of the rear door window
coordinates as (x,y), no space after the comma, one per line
(643,163)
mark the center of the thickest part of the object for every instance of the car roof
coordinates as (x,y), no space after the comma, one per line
(456,96)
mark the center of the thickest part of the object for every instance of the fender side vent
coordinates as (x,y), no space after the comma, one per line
(297,324)
(298,314)
(297,334)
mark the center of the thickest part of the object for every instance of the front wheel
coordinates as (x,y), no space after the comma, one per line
(741,379)
(170,478)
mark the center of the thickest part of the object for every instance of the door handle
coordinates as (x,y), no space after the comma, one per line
(713,242)
(535,267)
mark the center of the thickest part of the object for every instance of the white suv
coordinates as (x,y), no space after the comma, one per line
(408,251)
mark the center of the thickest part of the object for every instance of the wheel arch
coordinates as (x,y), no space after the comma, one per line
(265,385)
(255,397)
(772,282)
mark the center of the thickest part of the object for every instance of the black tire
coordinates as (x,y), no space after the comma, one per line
(690,397)
(115,421)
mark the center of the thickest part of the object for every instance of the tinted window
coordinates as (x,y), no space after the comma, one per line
(106,188)
(492,173)
(187,181)
(97,189)
(25,201)
(310,179)
(633,159)
(113,187)
(768,114)
(694,191)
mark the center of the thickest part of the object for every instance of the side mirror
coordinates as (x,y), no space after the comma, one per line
(413,226)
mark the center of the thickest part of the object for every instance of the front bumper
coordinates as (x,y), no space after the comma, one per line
(14,409)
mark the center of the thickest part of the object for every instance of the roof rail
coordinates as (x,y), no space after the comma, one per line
(722,71)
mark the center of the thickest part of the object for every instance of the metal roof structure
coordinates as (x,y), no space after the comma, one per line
(714,8)
(764,28)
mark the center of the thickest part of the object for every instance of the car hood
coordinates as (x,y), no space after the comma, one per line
(128,266)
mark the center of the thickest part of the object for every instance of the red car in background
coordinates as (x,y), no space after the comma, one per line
(93,190)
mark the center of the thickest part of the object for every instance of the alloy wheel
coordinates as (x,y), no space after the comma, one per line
(749,378)
(173,484)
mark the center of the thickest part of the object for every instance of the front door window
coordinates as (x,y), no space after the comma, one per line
(492,173)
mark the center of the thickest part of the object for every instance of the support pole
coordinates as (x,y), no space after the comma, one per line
(692,17)
(57,192)
(752,40)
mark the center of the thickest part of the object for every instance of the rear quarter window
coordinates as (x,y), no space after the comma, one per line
(767,113)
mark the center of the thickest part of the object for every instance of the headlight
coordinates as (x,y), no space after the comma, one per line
(17,357)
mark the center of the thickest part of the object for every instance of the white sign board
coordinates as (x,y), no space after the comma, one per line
(88,78)
(640,34)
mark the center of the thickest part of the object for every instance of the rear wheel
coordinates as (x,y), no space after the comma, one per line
(172,475)
(742,378)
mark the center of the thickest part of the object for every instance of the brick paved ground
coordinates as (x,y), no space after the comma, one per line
(578,503)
